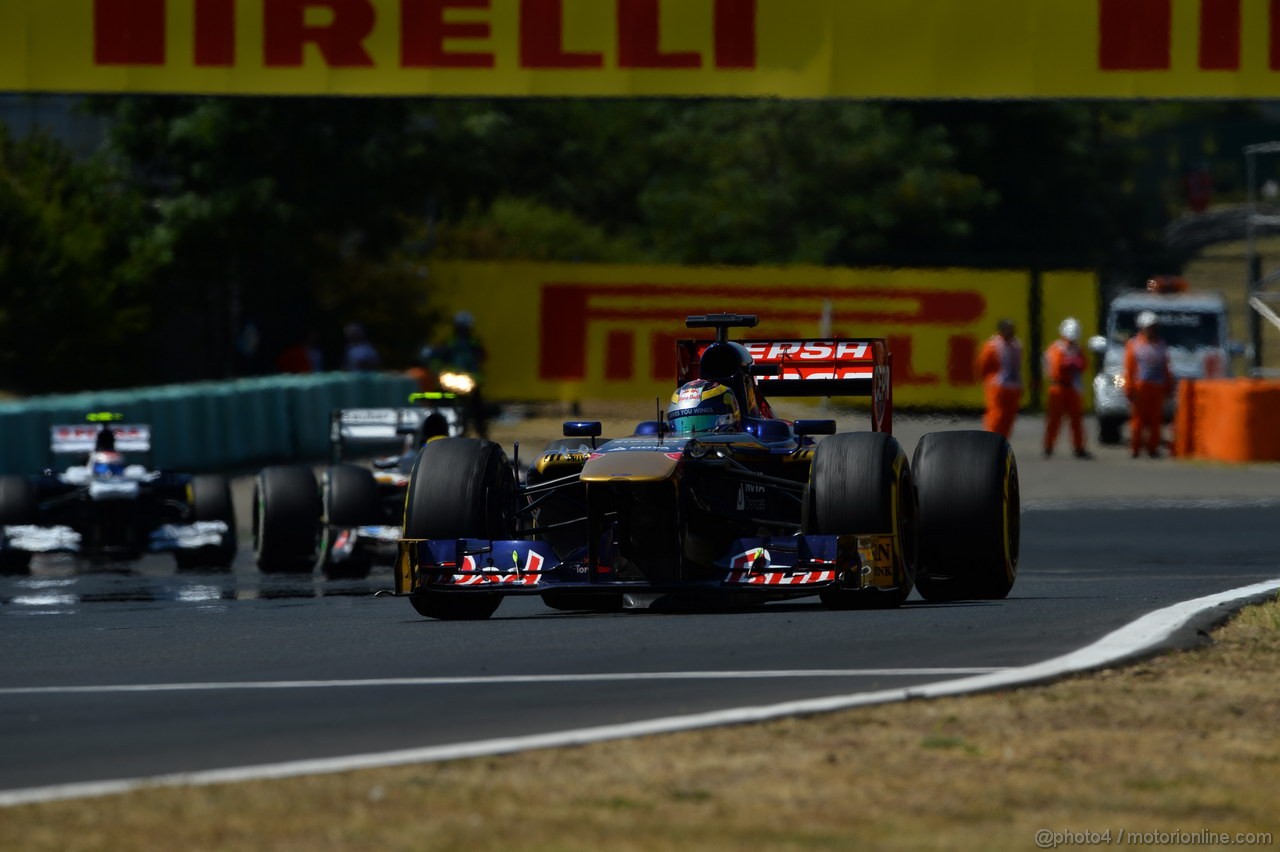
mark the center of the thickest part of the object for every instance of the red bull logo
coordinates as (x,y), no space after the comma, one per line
(475,575)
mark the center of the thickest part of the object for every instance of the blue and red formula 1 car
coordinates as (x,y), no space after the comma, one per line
(720,500)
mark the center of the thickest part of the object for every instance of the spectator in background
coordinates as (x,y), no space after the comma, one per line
(302,357)
(1000,365)
(1198,183)
(1064,368)
(361,355)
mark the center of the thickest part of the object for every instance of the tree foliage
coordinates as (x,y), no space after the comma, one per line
(279,217)
(217,222)
(76,271)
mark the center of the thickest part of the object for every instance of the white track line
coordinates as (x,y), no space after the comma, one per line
(499,680)
(1134,639)
(1123,504)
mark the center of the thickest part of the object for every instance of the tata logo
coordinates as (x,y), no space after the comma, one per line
(1137,35)
(134,32)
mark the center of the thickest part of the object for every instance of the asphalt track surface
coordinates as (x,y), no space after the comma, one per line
(136,671)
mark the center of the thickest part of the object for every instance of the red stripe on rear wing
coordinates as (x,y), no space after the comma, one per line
(812,368)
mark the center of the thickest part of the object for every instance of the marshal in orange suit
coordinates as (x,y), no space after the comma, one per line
(1000,365)
(1064,364)
(1148,381)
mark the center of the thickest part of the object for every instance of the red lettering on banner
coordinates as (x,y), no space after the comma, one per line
(424,31)
(735,27)
(562,345)
(1136,35)
(640,37)
(619,356)
(1275,35)
(542,38)
(133,32)
(568,312)
(341,43)
(962,360)
(662,353)
(128,32)
(904,372)
(1220,35)
(215,34)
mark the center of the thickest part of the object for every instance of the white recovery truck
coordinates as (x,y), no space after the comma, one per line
(1192,324)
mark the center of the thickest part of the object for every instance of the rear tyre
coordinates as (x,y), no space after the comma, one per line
(17,507)
(285,520)
(861,483)
(210,498)
(349,498)
(970,516)
(1109,430)
(460,488)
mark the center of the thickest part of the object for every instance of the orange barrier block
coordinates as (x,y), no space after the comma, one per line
(1184,421)
(1235,420)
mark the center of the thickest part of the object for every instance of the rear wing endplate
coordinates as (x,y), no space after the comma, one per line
(811,368)
(83,437)
(386,425)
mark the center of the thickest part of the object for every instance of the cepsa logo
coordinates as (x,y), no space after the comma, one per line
(781,351)
(134,32)
(1137,35)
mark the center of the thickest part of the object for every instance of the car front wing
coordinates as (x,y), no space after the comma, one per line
(801,564)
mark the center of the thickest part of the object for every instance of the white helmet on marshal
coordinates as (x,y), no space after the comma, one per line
(1070,329)
(1146,319)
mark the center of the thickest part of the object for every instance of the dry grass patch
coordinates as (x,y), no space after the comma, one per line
(1186,742)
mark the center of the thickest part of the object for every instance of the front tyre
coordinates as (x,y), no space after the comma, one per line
(285,520)
(861,483)
(460,488)
(970,516)
(349,498)
(17,507)
(210,499)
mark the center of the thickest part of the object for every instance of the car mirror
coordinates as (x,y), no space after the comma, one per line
(1235,348)
(766,370)
(815,427)
(583,429)
(1098,344)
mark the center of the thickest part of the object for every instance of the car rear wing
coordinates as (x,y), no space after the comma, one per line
(83,437)
(811,368)
(369,426)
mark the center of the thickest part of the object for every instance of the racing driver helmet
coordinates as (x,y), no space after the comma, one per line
(702,406)
(106,464)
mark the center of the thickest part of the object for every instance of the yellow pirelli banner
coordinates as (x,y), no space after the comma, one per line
(573,332)
(740,48)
